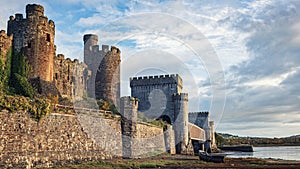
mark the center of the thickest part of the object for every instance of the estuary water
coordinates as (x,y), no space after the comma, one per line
(280,152)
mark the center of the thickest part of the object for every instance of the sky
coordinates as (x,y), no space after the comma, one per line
(238,59)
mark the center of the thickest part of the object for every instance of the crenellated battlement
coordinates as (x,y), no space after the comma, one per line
(156,77)
(92,47)
(204,113)
(180,97)
(104,65)
(201,119)
(34,10)
(156,80)
(61,57)
(130,100)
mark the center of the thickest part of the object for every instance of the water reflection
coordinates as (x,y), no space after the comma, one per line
(282,152)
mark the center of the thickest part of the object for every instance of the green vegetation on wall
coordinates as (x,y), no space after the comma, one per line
(38,108)
(220,140)
(19,76)
(5,67)
(106,105)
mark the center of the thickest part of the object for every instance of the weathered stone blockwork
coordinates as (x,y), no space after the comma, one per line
(140,139)
(202,120)
(70,77)
(104,82)
(181,122)
(34,37)
(108,77)
(106,132)
(5,44)
(150,140)
(156,91)
(56,140)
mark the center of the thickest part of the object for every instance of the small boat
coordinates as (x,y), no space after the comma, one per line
(216,158)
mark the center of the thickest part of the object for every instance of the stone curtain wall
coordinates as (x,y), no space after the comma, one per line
(106,132)
(70,77)
(141,139)
(57,139)
(150,140)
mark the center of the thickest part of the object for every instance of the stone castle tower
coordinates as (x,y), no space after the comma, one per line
(181,123)
(34,37)
(104,82)
(160,97)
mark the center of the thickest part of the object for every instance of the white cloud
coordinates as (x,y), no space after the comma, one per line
(257,43)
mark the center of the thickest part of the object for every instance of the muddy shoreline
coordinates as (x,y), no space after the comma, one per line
(185,161)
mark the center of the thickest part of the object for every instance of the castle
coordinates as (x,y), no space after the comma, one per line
(161,97)
(158,97)
(34,36)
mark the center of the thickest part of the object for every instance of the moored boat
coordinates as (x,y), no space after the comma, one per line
(216,158)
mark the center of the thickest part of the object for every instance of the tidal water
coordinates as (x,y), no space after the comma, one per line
(281,152)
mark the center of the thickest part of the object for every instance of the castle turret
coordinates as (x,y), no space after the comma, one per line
(128,109)
(104,64)
(212,133)
(34,10)
(108,77)
(91,49)
(34,37)
(181,122)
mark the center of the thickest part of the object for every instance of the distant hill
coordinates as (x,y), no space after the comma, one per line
(229,139)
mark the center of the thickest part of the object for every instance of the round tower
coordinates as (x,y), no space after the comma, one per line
(91,49)
(34,37)
(90,42)
(107,81)
(181,121)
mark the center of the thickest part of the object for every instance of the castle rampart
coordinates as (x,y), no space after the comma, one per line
(200,119)
(70,77)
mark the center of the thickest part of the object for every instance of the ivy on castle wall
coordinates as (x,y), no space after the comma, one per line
(5,69)
(19,76)
(38,108)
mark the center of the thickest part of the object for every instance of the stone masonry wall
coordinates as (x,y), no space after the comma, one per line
(104,82)
(70,77)
(5,44)
(34,37)
(105,131)
(107,80)
(150,140)
(155,94)
(57,139)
